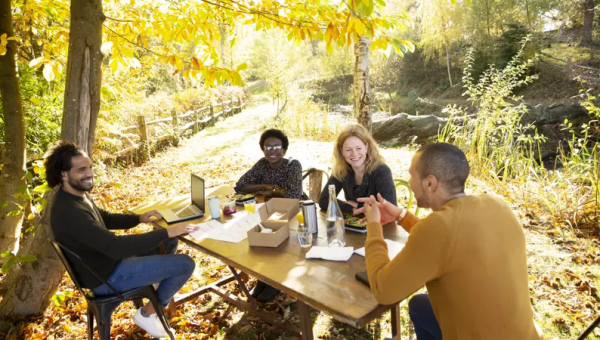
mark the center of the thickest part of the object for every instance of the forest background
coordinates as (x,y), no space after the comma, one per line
(512,82)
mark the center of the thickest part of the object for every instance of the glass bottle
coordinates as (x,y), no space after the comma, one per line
(335,221)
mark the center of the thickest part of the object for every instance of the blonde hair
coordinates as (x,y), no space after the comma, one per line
(374,158)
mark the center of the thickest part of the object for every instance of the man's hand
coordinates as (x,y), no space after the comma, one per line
(150,216)
(371,208)
(386,211)
(182,229)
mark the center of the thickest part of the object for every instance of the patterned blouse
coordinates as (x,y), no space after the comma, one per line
(288,176)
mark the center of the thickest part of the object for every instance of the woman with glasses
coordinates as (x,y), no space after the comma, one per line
(358,169)
(272,176)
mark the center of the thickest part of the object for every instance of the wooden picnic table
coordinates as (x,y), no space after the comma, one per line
(328,286)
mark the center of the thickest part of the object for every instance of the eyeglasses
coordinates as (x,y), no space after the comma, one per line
(272,148)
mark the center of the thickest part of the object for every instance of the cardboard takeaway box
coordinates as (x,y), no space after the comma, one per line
(285,210)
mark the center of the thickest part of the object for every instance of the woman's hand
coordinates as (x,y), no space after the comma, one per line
(354,204)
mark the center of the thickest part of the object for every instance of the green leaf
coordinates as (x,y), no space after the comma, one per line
(42,188)
(27,258)
(29,177)
(22,188)
(13,213)
(4,204)
(242,67)
(9,263)
(6,254)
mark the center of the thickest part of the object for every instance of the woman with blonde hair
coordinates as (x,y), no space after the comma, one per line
(358,169)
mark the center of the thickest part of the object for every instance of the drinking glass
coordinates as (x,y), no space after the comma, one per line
(250,208)
(304,237)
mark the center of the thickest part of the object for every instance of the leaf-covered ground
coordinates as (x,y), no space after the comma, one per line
(564,271)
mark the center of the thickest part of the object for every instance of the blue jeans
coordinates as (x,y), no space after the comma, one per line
(170,271)
(423,318)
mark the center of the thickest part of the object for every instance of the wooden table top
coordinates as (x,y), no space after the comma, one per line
(329,286)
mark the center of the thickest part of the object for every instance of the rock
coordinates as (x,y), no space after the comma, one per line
(403,128)
(559,112)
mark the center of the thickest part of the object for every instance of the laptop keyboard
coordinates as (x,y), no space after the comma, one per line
(187,212)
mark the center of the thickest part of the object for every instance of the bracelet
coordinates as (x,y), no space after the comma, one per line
(402,214)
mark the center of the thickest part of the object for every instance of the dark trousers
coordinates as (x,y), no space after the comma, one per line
(423,318)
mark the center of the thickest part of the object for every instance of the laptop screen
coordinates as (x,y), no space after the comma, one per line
(198,192)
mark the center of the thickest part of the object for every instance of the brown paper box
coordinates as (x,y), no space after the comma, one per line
(281,231)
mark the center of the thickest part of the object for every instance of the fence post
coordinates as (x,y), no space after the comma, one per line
(144,143)
(315,182)
(195,115)
(212,115)
(569,68)
(175,128)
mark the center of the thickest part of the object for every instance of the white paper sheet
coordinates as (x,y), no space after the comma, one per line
(393,249)
(234,231)
(330,253)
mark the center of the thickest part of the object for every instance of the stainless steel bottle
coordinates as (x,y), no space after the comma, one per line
(309,212)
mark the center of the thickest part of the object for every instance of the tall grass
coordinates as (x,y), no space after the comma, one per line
(506,153)
(306,119)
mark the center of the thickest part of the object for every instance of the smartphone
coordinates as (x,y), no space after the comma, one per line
(362,277)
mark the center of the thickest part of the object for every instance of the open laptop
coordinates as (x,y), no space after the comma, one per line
(187,212)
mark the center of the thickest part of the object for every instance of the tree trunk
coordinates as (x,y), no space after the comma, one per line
(448,64)
(84,74)
(29,286)
(487,16)
(588,23)
(362,96)
(223,33)
(13,171)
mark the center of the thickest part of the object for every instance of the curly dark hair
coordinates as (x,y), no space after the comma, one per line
(275,134)
(59,158)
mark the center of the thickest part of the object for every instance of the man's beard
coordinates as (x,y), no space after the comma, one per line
(79,186)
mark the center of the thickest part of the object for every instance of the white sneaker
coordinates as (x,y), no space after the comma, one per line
(150,324)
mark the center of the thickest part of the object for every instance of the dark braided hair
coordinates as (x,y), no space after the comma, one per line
(59,158)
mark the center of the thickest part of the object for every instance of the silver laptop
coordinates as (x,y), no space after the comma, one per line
(190,211)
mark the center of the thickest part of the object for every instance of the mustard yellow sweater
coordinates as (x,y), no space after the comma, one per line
(471,255)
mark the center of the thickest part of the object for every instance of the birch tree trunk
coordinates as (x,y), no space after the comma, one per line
(448,63)
(13,170)
(362,96)
(29,286)
(84,74)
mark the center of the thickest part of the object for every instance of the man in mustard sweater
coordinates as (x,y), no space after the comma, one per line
(470,253)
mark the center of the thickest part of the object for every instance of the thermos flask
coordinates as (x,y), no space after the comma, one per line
(309,212)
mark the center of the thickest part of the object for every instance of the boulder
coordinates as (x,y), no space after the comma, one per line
(403,128)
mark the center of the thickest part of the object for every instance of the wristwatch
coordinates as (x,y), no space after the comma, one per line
(401,215)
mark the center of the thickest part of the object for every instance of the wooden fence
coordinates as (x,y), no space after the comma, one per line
(178,124)
(172,128)
(574,70)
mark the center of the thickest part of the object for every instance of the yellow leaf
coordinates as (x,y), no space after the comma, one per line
(67,328)
(37,62)
(3,40)
(195,63)
(30,217)
(35,101)
(48,72)
(359,27)
(2,50)
(242,67)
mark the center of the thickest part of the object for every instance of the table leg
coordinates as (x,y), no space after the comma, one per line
(243,286)
(305,321)
(395,321)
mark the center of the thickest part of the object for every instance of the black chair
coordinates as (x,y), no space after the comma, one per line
(589,330)
(101,307)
